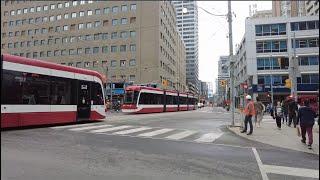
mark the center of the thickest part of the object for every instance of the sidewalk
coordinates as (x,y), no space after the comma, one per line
(287,137)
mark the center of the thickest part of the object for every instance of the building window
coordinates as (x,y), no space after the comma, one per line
(114,35)
(308,79)
(271,46)
(66,28)
(38,9)
(124,34)
(96,37)
(132,62)
(74,3)
(88,37)
(51,18)
(306,43)
(59,5)
(105,49)
(122,63)
(304,25)
(52,6)
(18,11)
(272,63)
(308,60)
(72,52)
(89,12)
(25,10)
(105,23)
(97,24)
(123,48)
(35,54)
(87,50)
(66,16)
(65,40)
(106,10)
(58,29)
(132,78)
(133,7)
(113,48)
(63,52)
(104,36)
(97,11)
(89,25)
(49,53)
(114,22)
(67,4)
(113,63)
(124,8)
(124,21)
(82,2)
(70,64)
(115,9)
(80,26)
(132,47)
(56,53)
(95,50)
(73,15)
(32,9)
(132,34)
(81,13)
(79,51)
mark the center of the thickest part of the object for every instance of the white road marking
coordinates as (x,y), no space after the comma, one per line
(262,170)
(75,125)
(209,137)
(181,135)
(291,171)
(132,130)
(157,132)
(110,129)
(89,127)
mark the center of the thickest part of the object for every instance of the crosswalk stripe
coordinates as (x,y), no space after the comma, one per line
(90,127)
(209,137)
(132,130)
(157,132)
(110,129)
(181,135)
(74,125)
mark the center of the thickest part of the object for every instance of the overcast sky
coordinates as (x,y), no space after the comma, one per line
(213,31)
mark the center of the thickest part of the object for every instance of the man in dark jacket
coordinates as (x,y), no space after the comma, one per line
(292,112)
(306,118)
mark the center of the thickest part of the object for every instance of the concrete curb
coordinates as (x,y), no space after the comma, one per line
(236,133)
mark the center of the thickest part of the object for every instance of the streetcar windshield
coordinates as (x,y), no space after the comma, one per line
(131,97)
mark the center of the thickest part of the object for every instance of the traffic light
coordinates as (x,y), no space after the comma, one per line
(223,83)
(165,83)
(288,83)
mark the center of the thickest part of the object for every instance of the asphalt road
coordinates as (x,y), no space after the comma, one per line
(191,145)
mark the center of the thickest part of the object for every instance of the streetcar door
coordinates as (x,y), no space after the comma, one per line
(84,103)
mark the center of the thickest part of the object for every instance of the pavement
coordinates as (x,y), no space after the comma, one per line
(187,145)
(287,137)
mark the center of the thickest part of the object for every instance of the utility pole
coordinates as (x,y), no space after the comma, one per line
(231,62)
(293,70)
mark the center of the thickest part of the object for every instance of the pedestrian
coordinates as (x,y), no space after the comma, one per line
(285,112)
(249,112)
(259,107)
(278,114)
(306,119)
(292,112)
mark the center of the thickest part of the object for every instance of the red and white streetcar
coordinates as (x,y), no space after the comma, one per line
(35,92)
(141,99)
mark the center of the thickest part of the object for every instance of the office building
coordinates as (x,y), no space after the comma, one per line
(270,48)
(288,8)
(312,8)
(187,24)
(127,41)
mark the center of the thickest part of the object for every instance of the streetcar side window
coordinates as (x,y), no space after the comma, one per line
(96,94)
(11,87)
(60,91)
(148,98)
(36,89)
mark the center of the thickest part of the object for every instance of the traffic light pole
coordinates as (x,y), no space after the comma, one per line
(231,62)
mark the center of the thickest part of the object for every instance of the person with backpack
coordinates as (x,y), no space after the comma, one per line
(306,118)
(278,114)
(259,108)
(249,112)
(292,112)
(285,112)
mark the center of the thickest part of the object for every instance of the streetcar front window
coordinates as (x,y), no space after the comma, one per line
(131,97)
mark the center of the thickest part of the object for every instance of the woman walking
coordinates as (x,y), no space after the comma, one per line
(278,114)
